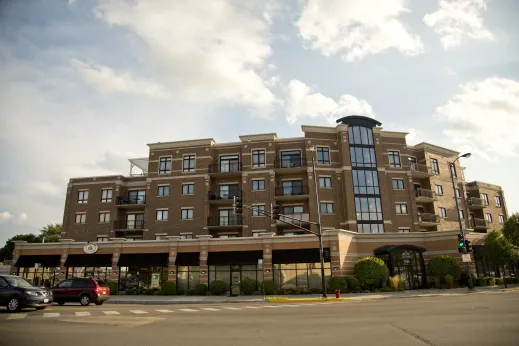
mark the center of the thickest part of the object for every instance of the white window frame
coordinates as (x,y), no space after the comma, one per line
(327,204)
(188,184)
(399,158)
(255,212)
(501,219)
(187,209)
(168,171)
(252,164)
(82,218)
(259,179)
(399,205)
(488,217)
(398,188)
(102,239)
(499,201)
(82,193)
(107,200)
(440,209)
(404,230)
(160,212)
(438,189)
(317,155)
(189,170)
(325,178)
(163,186)
(104,212)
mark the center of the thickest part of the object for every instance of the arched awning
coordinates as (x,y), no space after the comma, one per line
(387,249)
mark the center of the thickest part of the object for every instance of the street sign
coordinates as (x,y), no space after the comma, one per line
(260,263)
(90,248)
(466,258)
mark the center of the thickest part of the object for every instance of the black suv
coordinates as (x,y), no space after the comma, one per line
(82,290)
(17,293)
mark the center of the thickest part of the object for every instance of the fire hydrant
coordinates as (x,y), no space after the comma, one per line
(337,293)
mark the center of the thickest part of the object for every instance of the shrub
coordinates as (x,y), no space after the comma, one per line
(218,287)
(371,271)
(168,288)
(491,281)
(306,291)
(481,281)
(352,284)
(366,291)
(130,292)
(201,290)
(509,280)
(191,292)
(268,287)
(247,286)
(181,292)
(149,291)
(394,283)
(140,290)
(440,266)
(316,291)
(499,281)
(114,287)
(449,281)
(388,289)
(337,283)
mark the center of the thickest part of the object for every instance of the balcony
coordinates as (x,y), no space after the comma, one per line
(293,193)
(224,221)
(290,164)
(131,202)
(224,195)
(129,225)
(475,203)
(302,219)
(225,168)
(428,219)
(420,171)
(479,224)
(425,196)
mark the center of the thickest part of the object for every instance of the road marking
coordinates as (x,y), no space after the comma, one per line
(17,316)
(188,310)
(210,309)
(272,306)
(51,314)
(233,308)
(164,311)
(138,312)
(252,307)
(111,312)
(82,313)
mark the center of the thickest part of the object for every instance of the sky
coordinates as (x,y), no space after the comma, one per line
(86,84)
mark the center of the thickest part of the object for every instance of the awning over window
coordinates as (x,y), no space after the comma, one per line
(28,261)
(234,257)
(143,260)
(188,259)
(87,260)
(387,249)
(299,256)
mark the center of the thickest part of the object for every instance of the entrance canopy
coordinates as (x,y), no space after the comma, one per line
(387,249)
(87,260)
(188,259)
(28,261)
(234,257)
(143,260)
(299,256)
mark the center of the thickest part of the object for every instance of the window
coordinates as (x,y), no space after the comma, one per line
(435,168)
(259,210)
(453,170)
(458,193)
(256,233)
(326,208)
(187,236)
(485,198)
(394,159)
(296,209)
(439,190)
(227,236)
(325,182)
(360,135)
(501,219)
(135,221)
(258,158)
(188,189)
(404,230)
(498,201)
(82,197)
(187,214)
(489,217)
(137,196)
(291,159)
(401,208)
(365,182)
(443,212)
(164,165)
(363,157)
(292,188)
(106,195)
(323,156)
(258,185)
(160,236)
(368,208)
(104,217)
(102,239)
(462,215)
(230,163)
(227,217)
(81,218)
(163,190)
(189,163)
(370,228)
(65,284)
(398,184)
(162,215)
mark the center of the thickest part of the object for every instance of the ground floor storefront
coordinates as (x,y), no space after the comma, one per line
(291,262)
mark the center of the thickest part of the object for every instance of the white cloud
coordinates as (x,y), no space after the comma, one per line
(456,19)
(5,216)
(48,188)
(357,28)
(209,51)
(302,102)
(484,116)
(22,217)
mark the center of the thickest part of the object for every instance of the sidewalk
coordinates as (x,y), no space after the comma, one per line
(165,300)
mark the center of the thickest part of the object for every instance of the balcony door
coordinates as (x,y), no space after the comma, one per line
(292,187)
(228,191)
(291,159)
(134,221)
(137,196)
(296,209)
(226,217)
(229,163)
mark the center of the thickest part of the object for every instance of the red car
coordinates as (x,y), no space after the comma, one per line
(82,290)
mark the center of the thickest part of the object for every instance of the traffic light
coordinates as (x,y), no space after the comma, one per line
(468,246)
(275,212)
(461,244)
(238,205)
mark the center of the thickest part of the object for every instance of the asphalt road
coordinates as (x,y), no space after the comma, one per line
(476,319)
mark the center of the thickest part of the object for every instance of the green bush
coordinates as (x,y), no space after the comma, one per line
(114,287)
(509,280)
(491,281)
(388,289)
(201,290)
(394,283)
(449,281)
(268,287)
(440,266)
(337,283)
(352,284)
(191,292)
(247,286)
(130,292)
(218,287)
(371,271)
(499,281)
(168,288)
(149,291)
(482,281)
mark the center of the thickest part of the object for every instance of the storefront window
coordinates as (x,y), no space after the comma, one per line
(300,275)
(223,273)
(45,277)
(187,278)
(102,273)
(134,277)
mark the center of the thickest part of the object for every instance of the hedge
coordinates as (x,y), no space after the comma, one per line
(440,266)
(352,284)
(337,283)
(168,288)
(248,286)
(499,281)
(491,281)
(218,287)
(268,287)
(201,290)
(371,272)
(482,281)
(114,287)
(449,281)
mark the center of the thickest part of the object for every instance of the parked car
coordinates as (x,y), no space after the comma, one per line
(82,290)
(17,293)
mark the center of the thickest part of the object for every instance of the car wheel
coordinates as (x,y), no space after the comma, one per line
(14,304)
(41,308)
(84,300)
(99,302)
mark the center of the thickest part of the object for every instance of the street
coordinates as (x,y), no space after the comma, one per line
(475,319)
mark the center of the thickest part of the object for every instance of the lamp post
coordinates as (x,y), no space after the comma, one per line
(319,229)
(452,166)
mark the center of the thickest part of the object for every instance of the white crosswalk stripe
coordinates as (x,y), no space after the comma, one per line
(165,311)
(273,306)
(51,314)
(138,312)
(82,313)
(188,310)
(252,307)
(233,308)
(111,312)
(17,316)
(211,309)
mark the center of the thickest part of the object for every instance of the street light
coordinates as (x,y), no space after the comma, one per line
(319,229)
(451,168)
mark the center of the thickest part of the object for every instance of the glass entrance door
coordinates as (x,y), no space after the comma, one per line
(235,281)
(408,267)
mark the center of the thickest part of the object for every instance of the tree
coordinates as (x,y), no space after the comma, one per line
(371,271)
(441,266)
(511,229)
(499,250)
(6,253)
(51,233)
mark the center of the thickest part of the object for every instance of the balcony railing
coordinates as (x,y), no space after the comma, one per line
(479,223)
(126,200)
(419,168)
(475,202)
(428,218)
(300,218)
(290,162)
(225,167)
(129,225)
(294,190)
(424,193)
(225,193)
(224,221)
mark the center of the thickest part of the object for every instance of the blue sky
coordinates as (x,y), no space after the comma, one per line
(86,83)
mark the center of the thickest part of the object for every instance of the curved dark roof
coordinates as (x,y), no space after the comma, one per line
(359,120)
(386,249)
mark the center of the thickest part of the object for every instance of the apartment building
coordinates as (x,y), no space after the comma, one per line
(377,195)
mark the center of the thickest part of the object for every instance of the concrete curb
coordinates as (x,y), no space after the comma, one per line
(177,302)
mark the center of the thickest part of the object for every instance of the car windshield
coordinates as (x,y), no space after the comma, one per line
(18,282)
